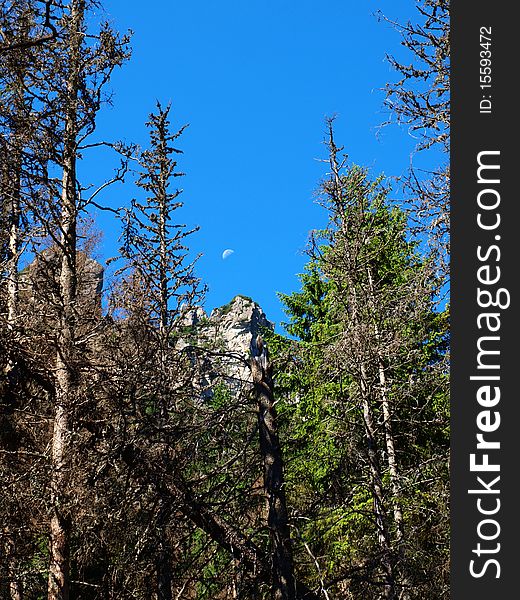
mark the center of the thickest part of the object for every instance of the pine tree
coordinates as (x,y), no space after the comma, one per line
(367,379)
(154,246)
(162,273)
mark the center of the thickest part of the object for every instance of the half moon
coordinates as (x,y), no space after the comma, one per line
(227,253)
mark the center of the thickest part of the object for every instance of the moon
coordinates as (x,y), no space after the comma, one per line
(227,253)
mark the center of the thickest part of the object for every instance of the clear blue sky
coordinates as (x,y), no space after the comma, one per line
(254,80)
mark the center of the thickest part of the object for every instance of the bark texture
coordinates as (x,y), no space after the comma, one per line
(282,568)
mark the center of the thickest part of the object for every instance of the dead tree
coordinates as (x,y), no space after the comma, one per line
(282,568)
(19,119)
(154,248)
(58,587)
(420,100)
(86,69)
(40,38)
(345,211)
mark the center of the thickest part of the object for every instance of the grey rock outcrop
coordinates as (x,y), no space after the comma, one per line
(39,282)
(237,323)
(227,335)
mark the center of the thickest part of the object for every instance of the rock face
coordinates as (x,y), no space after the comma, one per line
(237,322)
(39,279)
(227,334)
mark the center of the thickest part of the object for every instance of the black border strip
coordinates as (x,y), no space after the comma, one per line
(484,122)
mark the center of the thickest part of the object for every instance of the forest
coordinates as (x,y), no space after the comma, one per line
(142,454)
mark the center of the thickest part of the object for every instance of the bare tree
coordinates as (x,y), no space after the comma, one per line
(420,100)
(21,157)
(154,248)
(76,71)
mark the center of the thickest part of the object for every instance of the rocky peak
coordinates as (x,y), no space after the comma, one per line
(228,332)
(237,322)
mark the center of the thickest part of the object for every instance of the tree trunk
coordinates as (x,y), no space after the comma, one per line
(58,588)
(283,584)
(58,584)
(393,467)
(11,184)
(380,515)
(13,220)
(11,190)
(164,581)
(387,420)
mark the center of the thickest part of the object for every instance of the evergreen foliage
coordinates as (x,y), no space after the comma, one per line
(370,348)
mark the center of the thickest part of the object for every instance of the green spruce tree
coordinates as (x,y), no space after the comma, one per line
(365,397)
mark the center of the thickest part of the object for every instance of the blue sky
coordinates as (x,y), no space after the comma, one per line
(254,80)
